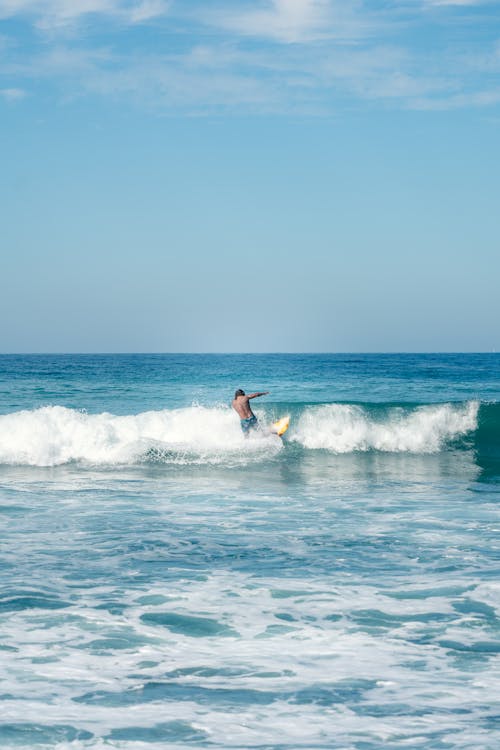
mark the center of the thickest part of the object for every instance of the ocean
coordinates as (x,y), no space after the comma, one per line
(166,583)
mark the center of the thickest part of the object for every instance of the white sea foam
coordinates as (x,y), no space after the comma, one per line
(55,435)
(266,655)
(343,428)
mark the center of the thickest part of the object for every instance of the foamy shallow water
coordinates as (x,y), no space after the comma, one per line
(136,612)
(250,594)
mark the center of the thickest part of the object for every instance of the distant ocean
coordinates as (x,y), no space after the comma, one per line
(166,583)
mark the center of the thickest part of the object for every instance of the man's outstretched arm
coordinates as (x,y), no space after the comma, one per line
(260,393)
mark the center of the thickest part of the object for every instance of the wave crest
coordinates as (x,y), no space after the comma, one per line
(55,435)
(344,428)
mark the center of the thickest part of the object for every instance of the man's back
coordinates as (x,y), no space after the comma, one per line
(242,407)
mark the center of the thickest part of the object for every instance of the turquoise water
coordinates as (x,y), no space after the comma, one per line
(167,583)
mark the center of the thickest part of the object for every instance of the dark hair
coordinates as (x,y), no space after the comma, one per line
(239,392)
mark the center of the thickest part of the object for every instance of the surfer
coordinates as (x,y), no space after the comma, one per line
(240,404)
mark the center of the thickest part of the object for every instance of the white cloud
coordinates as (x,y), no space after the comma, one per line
(213,78)
(293,21)
(462,3)
(148,9)
(487,61)
(283,20)
(265,56)
(12,95)
(63,9)
(458,101)
(198,82)
(54,14)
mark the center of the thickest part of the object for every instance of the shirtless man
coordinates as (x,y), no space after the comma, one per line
(242,408)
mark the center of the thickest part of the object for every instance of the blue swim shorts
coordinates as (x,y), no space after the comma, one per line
(248,424)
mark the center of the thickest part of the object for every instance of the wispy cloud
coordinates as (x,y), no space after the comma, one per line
(261,56)
(148,9)
(290,21)
(12,95)
(472,99)
(276,21)
(462,3)
(214,79)
(53,14)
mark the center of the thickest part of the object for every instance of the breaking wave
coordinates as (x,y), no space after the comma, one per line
(343,428)
(55,435)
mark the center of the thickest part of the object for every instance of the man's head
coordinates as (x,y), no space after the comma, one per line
(239,392)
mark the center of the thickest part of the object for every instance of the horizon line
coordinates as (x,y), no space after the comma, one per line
(237,353)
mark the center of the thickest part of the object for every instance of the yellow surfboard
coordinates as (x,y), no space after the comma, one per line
(281,426)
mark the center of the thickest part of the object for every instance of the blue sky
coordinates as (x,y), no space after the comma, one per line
(275,175)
